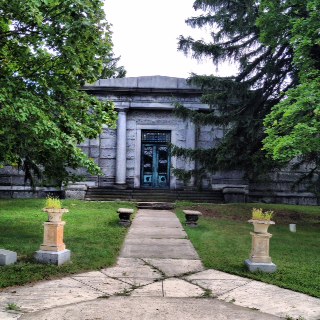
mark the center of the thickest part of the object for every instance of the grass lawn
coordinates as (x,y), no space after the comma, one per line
(223,242)
(91,233)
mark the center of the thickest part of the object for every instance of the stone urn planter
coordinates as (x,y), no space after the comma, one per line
(124,216)
(192,217)
(54,214)
(261,226)
(53,207)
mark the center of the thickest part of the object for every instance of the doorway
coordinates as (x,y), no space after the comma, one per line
(155,159)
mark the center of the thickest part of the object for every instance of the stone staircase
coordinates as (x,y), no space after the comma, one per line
(149,196)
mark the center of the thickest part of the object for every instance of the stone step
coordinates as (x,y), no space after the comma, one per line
(156,205)
(148,195)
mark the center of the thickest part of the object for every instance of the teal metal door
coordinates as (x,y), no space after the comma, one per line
(155,159)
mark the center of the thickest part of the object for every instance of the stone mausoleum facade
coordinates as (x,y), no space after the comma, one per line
(137,155)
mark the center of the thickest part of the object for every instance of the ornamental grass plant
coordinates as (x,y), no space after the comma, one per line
(53,203)
(259,214)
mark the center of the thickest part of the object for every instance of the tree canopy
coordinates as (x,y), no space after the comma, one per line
(48,50)
(293,125)
(268,40)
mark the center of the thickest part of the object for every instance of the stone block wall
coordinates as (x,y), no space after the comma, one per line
(281,187)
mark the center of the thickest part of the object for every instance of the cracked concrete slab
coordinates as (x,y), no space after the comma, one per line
(217,282)
(101,282)
(274,300)
(219,287)
(129,262)
(178,288)
(132,272)
(151,290)
(136,274)
(9,315)
(173,287)
(176,267)
(139,308)
(211,274)
(47,294)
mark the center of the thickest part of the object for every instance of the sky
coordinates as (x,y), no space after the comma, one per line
(145,35)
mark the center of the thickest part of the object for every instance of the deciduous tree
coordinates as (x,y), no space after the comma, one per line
(48,50)
(293,125)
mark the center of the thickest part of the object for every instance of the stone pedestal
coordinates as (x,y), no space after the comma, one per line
(7,257)
(259,258)
(53,236)
(53,249)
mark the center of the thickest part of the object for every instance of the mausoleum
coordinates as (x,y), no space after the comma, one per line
(136,154)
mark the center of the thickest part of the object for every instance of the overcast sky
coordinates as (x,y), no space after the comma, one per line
(145,35)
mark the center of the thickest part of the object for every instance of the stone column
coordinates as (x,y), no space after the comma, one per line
(121,157)
(190,144)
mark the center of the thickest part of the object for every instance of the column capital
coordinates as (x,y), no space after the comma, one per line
(122,107)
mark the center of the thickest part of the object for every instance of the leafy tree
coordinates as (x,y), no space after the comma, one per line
(48,50)
(293,125)
(240,103)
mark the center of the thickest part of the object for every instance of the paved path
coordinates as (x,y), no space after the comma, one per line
(158,276)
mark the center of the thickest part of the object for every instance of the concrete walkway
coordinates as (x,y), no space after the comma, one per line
(158,276)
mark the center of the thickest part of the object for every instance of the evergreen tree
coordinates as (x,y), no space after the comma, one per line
(111,68)
(240,103)
(48,50)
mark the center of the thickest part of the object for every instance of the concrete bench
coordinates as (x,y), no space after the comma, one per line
(192,217)
(124,216)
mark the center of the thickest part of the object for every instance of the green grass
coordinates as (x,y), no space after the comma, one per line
(91,233)
(223,242)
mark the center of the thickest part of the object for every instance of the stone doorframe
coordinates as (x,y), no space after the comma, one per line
(137,169)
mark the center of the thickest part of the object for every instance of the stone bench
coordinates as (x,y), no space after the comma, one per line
(124,216)
(192,217)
